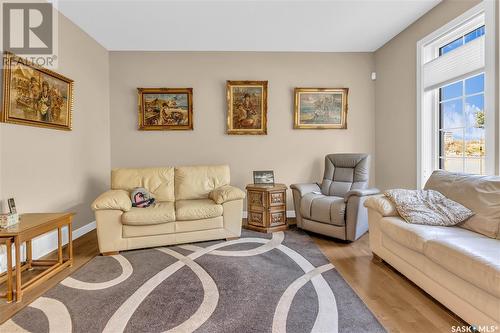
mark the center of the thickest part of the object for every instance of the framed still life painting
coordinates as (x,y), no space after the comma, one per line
(164,109)
(246,107)
(321,108)
(35,96)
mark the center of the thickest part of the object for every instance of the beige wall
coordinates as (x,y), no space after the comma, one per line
(49,170)
(294,155)
(395,91)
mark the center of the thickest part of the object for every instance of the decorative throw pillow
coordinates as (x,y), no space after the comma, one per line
(428,207)
(141,198)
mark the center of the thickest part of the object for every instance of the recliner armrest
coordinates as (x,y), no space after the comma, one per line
(305,188)
(361,193)
(226,193)
(113,199)
(382,205)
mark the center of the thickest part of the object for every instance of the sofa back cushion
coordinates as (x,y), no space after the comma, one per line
(158,181)
(481,194)
(345,172)
(196,182)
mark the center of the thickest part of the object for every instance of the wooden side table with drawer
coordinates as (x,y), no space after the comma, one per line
(266,207)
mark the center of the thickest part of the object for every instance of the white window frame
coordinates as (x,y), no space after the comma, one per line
(428,122)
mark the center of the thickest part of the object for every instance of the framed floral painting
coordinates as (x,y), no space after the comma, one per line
(163,109)
(35,96)
(246,107)
(317,108)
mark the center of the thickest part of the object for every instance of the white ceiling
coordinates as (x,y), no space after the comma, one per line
(237,25)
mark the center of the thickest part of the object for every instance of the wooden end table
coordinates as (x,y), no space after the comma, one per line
(266,207)
(29,227)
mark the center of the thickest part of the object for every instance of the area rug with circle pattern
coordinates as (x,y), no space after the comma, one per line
(278,282)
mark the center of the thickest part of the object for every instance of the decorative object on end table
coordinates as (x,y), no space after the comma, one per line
(35,96)
(9,219)
(163,109)
(246,107)
(266,207)
(320,108)
(12,205)
(263,177)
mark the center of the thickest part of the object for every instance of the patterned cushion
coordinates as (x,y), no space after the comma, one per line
(428,207)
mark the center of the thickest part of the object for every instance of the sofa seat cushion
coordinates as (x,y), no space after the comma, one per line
(322,208)
(198,225)
(160,212)
(474,259)
(197,209)
(129,231)
(415,236)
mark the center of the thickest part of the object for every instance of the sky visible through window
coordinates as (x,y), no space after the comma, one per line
(462,40)
(462,125)
(461,117)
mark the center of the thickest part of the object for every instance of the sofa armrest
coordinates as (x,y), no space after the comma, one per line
(361,193)
(382,205)
(305,188)
(113,199)
(226,193)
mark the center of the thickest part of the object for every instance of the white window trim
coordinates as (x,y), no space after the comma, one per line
(427,137)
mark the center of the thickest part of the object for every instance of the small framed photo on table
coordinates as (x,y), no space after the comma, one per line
(12,205)
(263,177)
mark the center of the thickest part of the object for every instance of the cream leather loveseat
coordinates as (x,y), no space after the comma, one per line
(193,203)
(457,266)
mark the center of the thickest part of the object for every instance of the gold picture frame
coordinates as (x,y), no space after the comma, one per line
(246,107)
(35,96)
(320,108)
(165,109)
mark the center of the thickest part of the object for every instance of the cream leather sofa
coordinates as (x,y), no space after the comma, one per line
(193,203)
(458,267)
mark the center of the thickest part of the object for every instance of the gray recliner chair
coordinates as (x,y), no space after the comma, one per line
(335,207)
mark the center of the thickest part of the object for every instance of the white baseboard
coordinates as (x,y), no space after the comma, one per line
(46,243)
(289,213)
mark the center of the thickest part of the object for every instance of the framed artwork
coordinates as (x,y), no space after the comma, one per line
(246,107)
(35,96)
(163,109)
(263,177)
(321,108)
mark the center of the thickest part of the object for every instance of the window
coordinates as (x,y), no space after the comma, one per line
(456,96)
(462,40)
(461,126)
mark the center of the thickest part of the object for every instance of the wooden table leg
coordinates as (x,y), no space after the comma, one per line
(29,253)
(59,245)
(70,243)
(9,269)
(19,293)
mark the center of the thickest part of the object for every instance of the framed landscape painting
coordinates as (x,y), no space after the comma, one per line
(321,108)
(246,107)
(164,109)
(35,96)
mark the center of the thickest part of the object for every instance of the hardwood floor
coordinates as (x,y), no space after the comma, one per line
(398,304)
